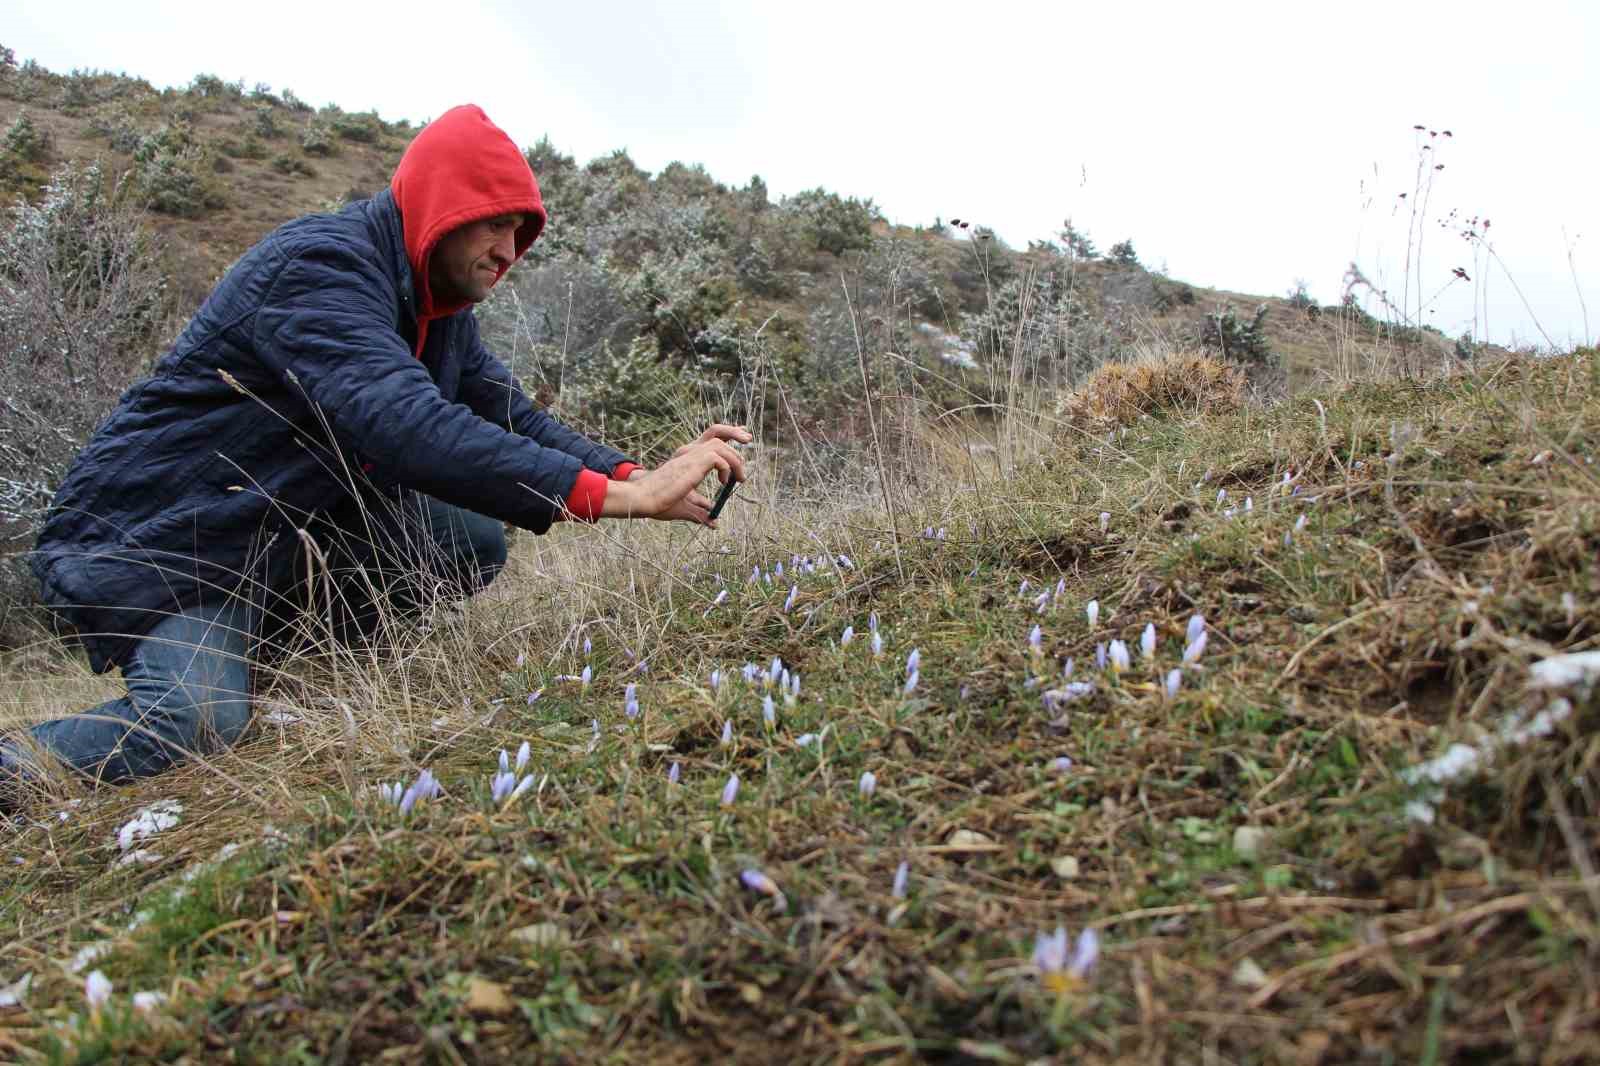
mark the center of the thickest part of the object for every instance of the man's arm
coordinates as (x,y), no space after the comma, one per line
(326,327)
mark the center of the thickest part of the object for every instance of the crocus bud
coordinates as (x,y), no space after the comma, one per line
(523,754)
(1105,520)
(727,732)
(674,773)
(877,644)
(1196,648)
(847,636)
(587,675)
(914,660)
(902,875)
(1147,640)
(1092,610)
(769,712)
(1118,652)
(756,881)
(1197,625)
(730,791)
(1174,679)
(869,784)
(1036,641)
(96,989)
(911,682)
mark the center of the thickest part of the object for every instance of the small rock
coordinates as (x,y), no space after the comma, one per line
(969,839)
(541,935)
(1248,974)
(1248,842)
(1065,867)
(487,997)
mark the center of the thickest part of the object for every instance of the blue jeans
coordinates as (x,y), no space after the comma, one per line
(189,678)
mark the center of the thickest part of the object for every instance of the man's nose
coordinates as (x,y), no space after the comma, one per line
(505,249)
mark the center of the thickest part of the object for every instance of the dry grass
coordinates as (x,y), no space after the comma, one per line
(1176,385)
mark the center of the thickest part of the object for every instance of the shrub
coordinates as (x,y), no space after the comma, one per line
(82,299)
(364,128)
(1122,253)
(293,102)
(1300,299)
(265,123)
(24,141)
(210,87)
(831,223)
(174,172)
(1241,342)
(637,401)
(317,139)
(1077,243)
(291,165)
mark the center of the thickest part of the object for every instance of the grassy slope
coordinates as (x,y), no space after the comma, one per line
(1401,617)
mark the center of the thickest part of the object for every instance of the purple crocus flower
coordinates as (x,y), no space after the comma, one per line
(674,773)
(730,791)
(1036,641)
(1196,648)
(769,711)
(914,661)
(847,636)
(1092,611)
(1105,520)
(788,604)
(587,675)
(872,622)
(1147,640)
(911,682)
(902,875)
(756,881)
(1197,626)
(1099,656)
(868,784)
(1060,764)
(727,732)
(877,644)
(1174,679)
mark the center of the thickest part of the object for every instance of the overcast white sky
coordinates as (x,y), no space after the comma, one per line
(1242,145)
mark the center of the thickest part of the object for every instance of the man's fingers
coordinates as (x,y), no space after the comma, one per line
(734,461)
(723,431)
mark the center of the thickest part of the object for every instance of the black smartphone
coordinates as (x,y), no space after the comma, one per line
(722,498)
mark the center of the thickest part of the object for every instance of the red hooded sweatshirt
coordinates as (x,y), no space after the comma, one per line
(459,169)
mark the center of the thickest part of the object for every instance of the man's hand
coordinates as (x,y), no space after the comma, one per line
(669,492)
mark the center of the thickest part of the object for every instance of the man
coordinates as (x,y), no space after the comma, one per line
(327,434)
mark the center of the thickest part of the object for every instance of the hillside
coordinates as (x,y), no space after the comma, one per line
(222,164)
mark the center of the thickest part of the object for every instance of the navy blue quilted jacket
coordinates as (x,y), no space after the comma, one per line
(296,374)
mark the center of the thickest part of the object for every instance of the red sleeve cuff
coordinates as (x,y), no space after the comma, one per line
(588,496)
(623,470)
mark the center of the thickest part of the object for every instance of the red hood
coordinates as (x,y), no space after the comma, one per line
(459,169)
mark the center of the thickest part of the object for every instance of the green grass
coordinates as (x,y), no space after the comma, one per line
(604,912)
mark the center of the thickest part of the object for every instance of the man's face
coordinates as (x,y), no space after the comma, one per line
(468,260)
